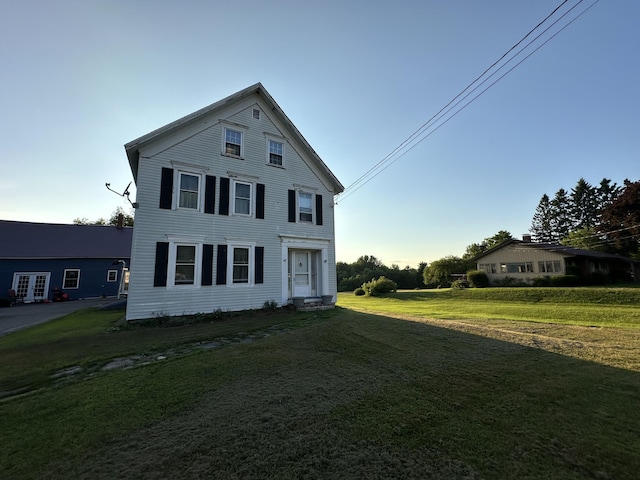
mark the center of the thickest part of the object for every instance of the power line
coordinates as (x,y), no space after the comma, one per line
(421,133)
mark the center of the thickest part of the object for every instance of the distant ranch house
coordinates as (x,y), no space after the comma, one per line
(525,260)
(84,261)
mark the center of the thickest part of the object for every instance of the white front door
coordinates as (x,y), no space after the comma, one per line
(303,273)
(31,287)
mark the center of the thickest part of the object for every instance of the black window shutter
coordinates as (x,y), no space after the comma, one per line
(292,205)
(223,208)
(210,194)
(162,259)
(259,266)
(318,209)
(166,188)
(221,265)
(207,264)
(260,200)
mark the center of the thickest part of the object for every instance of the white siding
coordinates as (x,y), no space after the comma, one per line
(200,146)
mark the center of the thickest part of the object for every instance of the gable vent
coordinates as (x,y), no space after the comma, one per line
(256,114)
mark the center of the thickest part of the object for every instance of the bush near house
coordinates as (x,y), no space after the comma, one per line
(478,279)
(379,286)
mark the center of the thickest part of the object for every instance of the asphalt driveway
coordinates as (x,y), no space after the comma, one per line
(19,316)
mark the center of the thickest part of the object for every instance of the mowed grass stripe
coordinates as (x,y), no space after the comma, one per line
(344,395)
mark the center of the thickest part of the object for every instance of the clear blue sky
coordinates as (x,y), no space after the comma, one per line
(81,78)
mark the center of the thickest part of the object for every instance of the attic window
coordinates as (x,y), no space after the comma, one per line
(256,114)
(233,142)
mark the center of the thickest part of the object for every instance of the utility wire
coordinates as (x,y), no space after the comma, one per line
(424,125)
(419,135)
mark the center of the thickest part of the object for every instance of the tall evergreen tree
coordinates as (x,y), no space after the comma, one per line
(542,223)
(584,208)
(606,194)
(561,222)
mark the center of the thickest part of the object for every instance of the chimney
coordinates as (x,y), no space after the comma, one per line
(526,238)
(120,224)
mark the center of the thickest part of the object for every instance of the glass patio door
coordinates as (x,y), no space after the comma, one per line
(31,287)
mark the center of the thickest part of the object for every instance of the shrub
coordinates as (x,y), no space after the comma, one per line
(541,281)
(5,302)
(478,279)
(511,282)
(359,292)
(379,286)
(270,306)
(599,278)
(565,281)
(460,284)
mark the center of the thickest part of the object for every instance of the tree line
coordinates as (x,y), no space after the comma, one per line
(112,220)
(602,218)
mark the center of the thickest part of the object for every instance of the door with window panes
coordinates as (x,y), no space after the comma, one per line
(31,287)
(303,273)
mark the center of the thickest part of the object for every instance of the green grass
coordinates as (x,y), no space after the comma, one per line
(337,394)
(600,307)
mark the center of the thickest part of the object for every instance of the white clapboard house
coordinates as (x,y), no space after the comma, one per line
(234,209)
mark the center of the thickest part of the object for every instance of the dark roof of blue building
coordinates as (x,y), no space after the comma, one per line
(22,240)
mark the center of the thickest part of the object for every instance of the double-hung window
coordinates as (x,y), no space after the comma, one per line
(184,261)
(71,278)
(276,153)
(240,264)
(233,142)
(185,265)
(305,207)
(242,197)
(189,190)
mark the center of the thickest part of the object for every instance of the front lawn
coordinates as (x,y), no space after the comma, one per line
(337,394)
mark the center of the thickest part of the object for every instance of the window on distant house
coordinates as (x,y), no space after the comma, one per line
(488,267)
(276,153)
(112,275)
(71,278)
(549,266)
(523,267)
(185,269)
(305,207)
(189,190)
(242,197)
(233,142)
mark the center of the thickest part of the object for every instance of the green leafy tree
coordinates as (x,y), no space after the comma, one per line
(113,220)
(127,217)
(477,248)
(584,238)
(439,272)
(621,220)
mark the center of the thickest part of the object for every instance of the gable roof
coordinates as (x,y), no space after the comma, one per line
(556,247)
(132,148)
(26,240)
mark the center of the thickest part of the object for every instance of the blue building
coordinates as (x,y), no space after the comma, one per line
(84,261)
